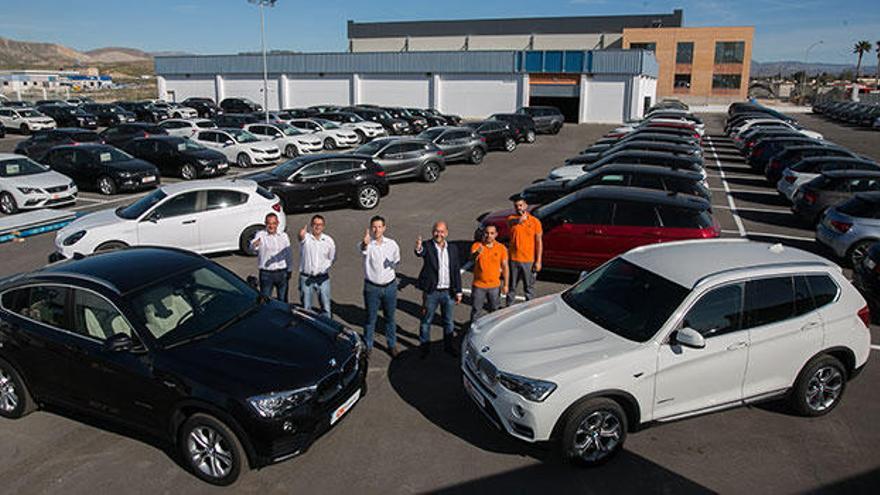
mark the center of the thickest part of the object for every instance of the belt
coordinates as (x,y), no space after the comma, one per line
(380,285)
(309,275)
(273,271)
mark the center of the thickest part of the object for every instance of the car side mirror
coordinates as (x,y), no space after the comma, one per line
(253,282)
(689,337)
(119,342)
(228,143)
(154,217)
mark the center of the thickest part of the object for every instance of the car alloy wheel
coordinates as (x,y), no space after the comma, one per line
(209,452)
(477,156)
(368,197)
(824,388)
(24,129)
(290,151)
(329,144)
(858,252)
(243,160)
(509,145)
(362,138)
(597,436)
(188,172)
(9,396)
(7,204)
(431,172)
(530,137)
(106,186)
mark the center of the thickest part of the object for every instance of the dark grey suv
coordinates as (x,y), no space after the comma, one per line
(406,158)
(458,143)
(547,119)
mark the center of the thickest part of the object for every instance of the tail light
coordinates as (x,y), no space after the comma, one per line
(865,315)
(146,134)
(277,207)
(380,173)
(809,197)
(483,139)
(440,153)
(790,179)
(842,227)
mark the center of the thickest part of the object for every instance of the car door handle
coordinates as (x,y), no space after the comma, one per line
(738,345)
(809,326)
(186,222)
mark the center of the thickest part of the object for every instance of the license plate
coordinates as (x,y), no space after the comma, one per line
(149,178)
(473,393)
(223,165)
(345,407)
(56,196)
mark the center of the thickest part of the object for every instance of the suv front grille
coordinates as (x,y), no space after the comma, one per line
(58,189)
(336,381)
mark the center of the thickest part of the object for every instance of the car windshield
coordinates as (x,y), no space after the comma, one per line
(193,303)
(17,167)
(29,113)
(353,117)
(370,148)
(289,130)
(384,115)
(110,154)
(327,124)
(613,297)
(189,145)
(242,136)
(136,209)
(431,134)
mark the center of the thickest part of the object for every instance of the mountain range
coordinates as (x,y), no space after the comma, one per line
(786,68)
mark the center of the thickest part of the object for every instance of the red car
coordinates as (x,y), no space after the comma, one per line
(591,226)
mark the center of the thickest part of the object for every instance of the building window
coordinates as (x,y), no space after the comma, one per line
(684,52)
(682,82)
(726,81)
(729,52)
(643,46)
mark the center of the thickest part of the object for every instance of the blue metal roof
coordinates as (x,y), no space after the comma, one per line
(633,62)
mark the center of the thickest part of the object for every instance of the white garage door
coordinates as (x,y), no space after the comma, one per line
(305,92)
(182,89)
(477,96)
(606,100)
(251,88)
(396,91)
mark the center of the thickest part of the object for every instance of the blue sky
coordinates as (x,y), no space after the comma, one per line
(783,29)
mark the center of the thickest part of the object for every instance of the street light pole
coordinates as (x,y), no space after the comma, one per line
(804,78)
(262,4)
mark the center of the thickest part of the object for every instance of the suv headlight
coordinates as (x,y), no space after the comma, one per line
(29,190)
(530,388)
(276,404)
(204,161)
(256,150)
(398,124)
(125,174)
(73,238)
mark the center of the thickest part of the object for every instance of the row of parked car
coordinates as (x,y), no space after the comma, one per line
(642,183)
(851,112)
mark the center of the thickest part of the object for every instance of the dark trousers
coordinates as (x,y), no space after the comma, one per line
(274,279)
(446,301)
(384,296)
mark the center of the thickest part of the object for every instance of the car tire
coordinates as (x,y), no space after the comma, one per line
(106,185)
(15,399)
(8,206)
(367,197)
(211,450)
(430,172)
(510,145)
(188,172)
(290,151)
(857,253)
(362,138)
(477,155)
(530,136)
(244,240)
(110,246)
(557,128)
(24,129)
(243,160)
(594,432)
(329,144)
(819,387)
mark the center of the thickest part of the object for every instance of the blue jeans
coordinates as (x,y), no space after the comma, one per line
(320,286)
(446,301)
(274,279)
(375,295)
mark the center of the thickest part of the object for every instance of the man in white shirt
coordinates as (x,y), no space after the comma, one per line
(381,258)
(317,254)
(273,258)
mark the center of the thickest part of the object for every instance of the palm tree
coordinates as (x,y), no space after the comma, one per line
(861,48)
(878,64)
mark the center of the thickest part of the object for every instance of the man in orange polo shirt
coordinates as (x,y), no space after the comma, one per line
(490,273)
(526,249)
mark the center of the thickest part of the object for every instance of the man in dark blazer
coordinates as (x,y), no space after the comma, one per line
(440,283)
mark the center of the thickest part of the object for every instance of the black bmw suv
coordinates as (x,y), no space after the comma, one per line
(170,343)
(69,116)
(179,156)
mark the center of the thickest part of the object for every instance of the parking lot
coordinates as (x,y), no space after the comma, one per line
(416,431)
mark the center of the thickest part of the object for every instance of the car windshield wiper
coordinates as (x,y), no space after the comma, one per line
(232,321)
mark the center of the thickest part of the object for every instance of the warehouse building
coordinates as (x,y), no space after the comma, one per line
(696,64)
(607,86)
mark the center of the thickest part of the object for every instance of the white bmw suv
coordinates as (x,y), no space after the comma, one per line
(664,332)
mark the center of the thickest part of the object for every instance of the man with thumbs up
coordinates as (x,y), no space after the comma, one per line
(317,254)
(440,283)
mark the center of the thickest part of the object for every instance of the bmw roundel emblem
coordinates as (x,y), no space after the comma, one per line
(485,349)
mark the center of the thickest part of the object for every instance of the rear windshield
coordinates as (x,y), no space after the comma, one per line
(858,207)
(685,218)
(85,137)
(262,191)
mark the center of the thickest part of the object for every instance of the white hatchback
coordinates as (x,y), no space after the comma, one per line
(291,140)
(186,127)
(240,146)
(27,185)
(663,332)
(332,134)
(25,120)
(205,216)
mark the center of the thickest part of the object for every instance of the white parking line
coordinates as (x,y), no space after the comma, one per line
(746,191)
(736,218)
(768,234)
(758,210)
(90,200)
